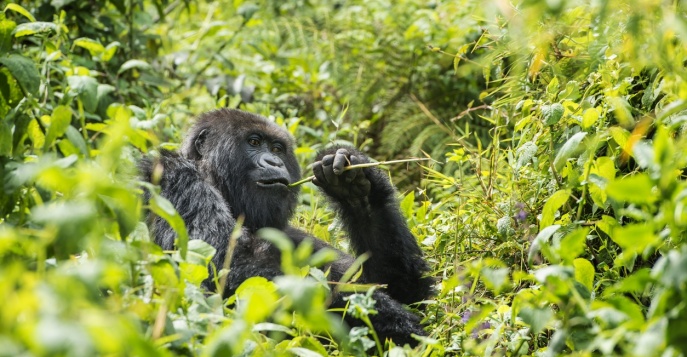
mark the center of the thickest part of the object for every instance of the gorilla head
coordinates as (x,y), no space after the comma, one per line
(250,161)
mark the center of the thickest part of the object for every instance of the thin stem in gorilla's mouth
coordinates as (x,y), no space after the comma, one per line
(273,182)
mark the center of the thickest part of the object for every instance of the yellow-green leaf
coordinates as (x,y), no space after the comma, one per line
(94,47)
(573,244)
(633,189)
(20,10)
(35,134)
(584,272)
(59,122)
(552,205)
(590,117)
(634,238)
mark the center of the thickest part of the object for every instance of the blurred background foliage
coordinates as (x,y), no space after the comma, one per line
(554,215)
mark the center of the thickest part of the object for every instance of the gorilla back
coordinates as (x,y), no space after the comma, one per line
(233,163)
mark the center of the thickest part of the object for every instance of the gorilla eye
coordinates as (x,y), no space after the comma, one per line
(277,149)
(253,142)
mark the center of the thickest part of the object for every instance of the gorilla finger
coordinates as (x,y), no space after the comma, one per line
(329,175)
(327,160)
(318,171)
(340,160)
(349,176)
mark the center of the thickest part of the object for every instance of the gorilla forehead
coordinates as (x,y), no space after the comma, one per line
(233,123)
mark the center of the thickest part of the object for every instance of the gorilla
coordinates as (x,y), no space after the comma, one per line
(233,163)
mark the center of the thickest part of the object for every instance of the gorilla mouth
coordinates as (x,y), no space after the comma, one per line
(275,182)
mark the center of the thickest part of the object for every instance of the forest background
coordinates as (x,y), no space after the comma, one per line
(554,214)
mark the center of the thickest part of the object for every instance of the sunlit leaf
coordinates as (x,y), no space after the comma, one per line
(584,273)
(258,298)
(634,238)
(6,28)
(131,64)
(573,244)
(558,199)
(33,28)
(19,9)
(59,122)
(633,189)
(94,47)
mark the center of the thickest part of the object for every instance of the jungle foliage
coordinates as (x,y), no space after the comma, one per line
(554,214)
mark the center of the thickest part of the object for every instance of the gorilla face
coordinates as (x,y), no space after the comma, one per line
(250,161)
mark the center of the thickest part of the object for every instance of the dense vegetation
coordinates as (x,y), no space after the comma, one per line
(554,214)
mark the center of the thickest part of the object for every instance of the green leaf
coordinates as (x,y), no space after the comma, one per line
(541,240)
(24,71)
(163,208)
(552,205)
(164,275)
(6,28)
(87,89)
(619,135)
(571,147)
(200,252)
(634,238)
(94,47)
(110,51)
(573,244)
(637,283)
(584,273)
(636,189)
(5,139)
(407,204)
(18,9)
(59,122)
(537,318)
(193,273)
(589,117)
(303,352)
(32,28)
(495,279)
(134,63)
(552,87)
(258,299)
(552,113)
(35,134)
(77,140)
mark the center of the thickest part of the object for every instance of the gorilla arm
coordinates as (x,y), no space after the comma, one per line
(367,206)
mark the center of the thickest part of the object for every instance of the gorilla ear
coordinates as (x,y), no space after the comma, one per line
(198,144)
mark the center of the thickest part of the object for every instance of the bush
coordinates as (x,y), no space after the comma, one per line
(554,216)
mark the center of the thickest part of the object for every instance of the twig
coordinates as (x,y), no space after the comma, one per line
(360,166)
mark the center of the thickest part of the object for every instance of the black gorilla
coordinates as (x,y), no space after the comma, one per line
(235,163)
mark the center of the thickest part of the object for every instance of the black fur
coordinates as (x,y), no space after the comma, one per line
(221,174)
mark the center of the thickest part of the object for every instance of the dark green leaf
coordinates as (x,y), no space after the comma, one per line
(24,71)
(87,89)
(5,139)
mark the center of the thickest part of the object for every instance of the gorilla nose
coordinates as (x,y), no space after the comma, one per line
(270,161)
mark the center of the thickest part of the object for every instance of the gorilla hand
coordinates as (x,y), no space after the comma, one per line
(350,186)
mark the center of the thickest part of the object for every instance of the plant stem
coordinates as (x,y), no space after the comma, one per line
(360,166)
